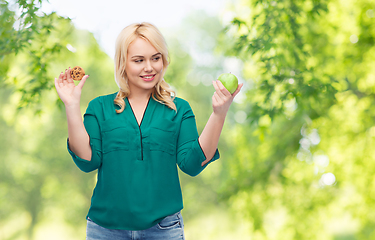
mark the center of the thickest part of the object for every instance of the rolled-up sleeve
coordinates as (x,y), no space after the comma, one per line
(189,152)
(93,129)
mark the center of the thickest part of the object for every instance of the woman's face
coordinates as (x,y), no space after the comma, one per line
(144,66)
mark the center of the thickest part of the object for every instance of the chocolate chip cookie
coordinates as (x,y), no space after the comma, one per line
(77,73)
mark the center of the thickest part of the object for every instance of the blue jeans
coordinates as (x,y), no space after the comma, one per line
(170,228)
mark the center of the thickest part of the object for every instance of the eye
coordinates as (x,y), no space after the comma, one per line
(156,58)
(138,60)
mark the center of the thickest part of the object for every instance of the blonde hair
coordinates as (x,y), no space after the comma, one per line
(162,92)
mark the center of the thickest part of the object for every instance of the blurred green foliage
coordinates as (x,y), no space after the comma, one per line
(297,150)
(302,165)
(25,29)
(39,185)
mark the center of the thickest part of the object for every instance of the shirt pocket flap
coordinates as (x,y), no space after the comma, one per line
(115,135)
(163,137)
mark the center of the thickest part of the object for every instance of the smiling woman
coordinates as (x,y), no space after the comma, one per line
(136,138)
(147,51)
(145,68)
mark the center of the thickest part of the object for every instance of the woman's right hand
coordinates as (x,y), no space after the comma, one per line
(68,92)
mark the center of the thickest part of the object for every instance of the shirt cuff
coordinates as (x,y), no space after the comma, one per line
(83,164)
(203,156)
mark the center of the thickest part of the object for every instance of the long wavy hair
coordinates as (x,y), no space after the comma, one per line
(162,92)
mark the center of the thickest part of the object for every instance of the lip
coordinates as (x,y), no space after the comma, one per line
(148,79)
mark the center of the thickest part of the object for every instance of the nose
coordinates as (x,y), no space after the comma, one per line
(148,67)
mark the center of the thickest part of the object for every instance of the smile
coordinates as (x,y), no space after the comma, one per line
(148,78)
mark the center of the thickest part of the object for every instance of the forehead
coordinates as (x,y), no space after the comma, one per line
(141,47)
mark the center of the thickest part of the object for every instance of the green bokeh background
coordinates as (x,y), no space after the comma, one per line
(297,149)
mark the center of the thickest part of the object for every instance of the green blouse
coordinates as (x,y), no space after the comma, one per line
(137,182)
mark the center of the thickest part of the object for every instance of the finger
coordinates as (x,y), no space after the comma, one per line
(219,100)
(223,89)
(82,82)
(217,89)
(57,83)
(58,86)
(69,77)
(61,78)
(238,89)
(214,100)
(65,75)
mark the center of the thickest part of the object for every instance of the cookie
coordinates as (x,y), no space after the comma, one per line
(77,73)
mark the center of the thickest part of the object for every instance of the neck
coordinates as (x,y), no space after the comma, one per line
(140,96)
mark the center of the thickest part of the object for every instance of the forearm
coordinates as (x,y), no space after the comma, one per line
(210,135)
(221,101)
(79,140)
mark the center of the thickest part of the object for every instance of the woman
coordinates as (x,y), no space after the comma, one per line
(136,137)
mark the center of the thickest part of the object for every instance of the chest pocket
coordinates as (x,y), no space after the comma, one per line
(115,136)
(163,137)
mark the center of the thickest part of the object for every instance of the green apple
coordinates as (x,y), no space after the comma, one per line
(229,81)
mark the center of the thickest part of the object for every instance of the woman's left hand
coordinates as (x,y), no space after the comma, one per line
(222,99)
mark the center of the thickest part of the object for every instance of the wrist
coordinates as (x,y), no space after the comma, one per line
(219,116)
(72,107)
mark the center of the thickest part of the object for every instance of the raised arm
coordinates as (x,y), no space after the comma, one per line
(70,94)
(221,101)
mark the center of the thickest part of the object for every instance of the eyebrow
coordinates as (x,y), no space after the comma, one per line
(140,56)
